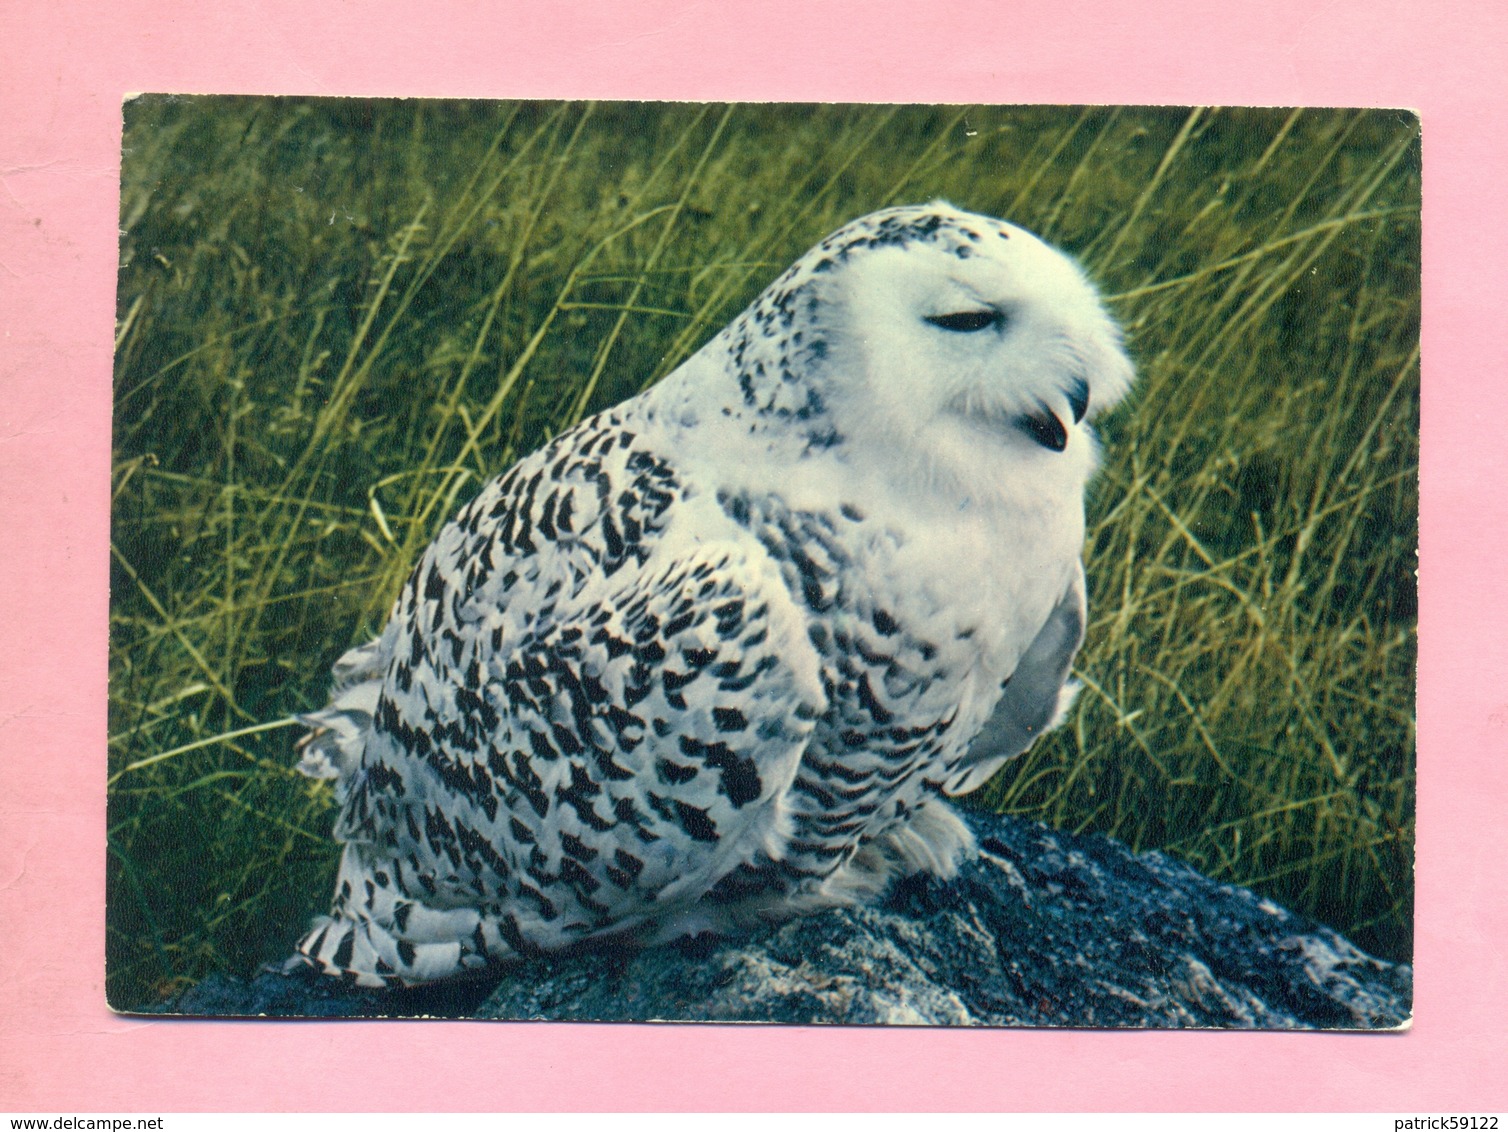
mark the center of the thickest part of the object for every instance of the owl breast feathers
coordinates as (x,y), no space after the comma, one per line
(715,655)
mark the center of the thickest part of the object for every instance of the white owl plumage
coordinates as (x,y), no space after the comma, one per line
(716,654)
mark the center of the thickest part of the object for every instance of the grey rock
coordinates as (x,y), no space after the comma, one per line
(1045,928)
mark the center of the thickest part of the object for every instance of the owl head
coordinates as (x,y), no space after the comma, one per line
(951,336)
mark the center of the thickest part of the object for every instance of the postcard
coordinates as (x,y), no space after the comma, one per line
(806,563)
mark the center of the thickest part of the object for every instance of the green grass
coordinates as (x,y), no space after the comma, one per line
(338,319)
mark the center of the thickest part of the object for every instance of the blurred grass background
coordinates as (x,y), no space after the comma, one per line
(338,318)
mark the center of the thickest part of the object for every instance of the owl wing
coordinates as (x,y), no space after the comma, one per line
(658,722)
(1036,696)
(591,706)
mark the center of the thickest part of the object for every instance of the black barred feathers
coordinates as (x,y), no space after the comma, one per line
(716,655)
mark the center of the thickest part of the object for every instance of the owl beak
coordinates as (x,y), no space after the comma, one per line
(1078,398)
(1045,428)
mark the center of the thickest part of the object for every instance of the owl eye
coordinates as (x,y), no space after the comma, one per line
(966,321)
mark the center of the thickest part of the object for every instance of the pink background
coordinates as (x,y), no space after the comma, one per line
(63,69)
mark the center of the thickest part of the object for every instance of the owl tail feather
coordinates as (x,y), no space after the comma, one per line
(377,936)
(377,933)
(338,731)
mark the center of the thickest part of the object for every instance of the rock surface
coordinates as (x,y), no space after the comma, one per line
(1045,928)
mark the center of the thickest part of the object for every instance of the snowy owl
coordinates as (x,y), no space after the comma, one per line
(715,655)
